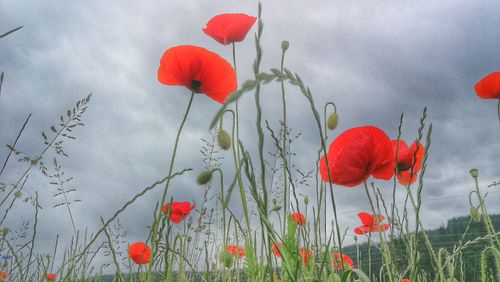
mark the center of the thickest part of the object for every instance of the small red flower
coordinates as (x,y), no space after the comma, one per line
(229,28)
(298,218)
(371,223)
(51,277)
(236,251)
(407,159)
(276,251)
(305,254)
(356,154)
(139,252)
(347,261)
(3,275)
(489,86)
(198,69)
(178,211)
(406,280)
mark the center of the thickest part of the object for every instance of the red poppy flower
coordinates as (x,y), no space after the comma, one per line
(305,254)
(371,223)
(489,86)
(406,280)
(275,249)
(51,277)
(3,275)
(178,211)
(346,260)
(198,69)
(356,154)
(236,251)
(406,159)
(298,218)
(229,28)
(139,252)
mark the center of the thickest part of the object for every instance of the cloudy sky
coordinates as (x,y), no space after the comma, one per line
(374,59)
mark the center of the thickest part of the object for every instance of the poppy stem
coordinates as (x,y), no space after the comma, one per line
(154,240)
(498,111)
(385,250)
(236,151)
(283,149)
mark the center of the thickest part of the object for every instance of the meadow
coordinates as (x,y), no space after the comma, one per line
(278,232)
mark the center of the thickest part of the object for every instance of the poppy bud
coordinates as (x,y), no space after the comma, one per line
(284,45)
(356,238)
(5,231)
(204,177)
(306,200)
(226,259)
(224,139)
(333,120)
(276,208)
(474,172)
(189,238)
(18,194)
(474,214)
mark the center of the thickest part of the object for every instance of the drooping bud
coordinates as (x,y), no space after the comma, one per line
(5,231)
(333,120)
(474,214)
(284,45)
(306,200)
(204,177)
(474,172)
(356,238)
(224,139)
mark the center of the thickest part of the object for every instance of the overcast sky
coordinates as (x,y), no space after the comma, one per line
(374,60)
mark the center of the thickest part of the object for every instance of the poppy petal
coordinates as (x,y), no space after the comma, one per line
(356,154)
(229,28)
(199,70)
(420,155)
(489,86)
(406,177)
(365,217)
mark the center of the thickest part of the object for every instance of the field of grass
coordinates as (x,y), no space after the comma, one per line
(278,233)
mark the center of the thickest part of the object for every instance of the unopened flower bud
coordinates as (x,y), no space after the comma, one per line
(18,194)
(204,177)
(333,120)
(5,231)
(284,45)
(475,215)
(306,200)
(474,172)
(276,208)
(224,139)
(356,238)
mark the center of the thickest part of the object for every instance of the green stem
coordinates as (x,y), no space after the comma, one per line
(170,170)
(498,110)
(236,154)
(486,217)
(283,149)
(384,248)
(224,238)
